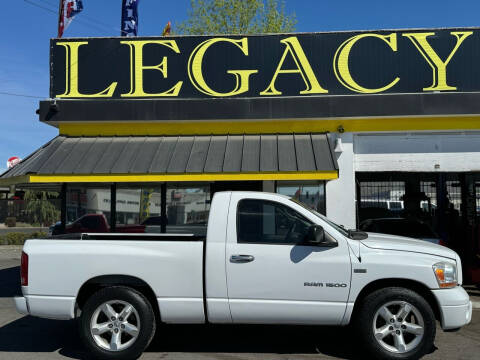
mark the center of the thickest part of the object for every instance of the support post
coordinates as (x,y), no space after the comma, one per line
(63,208)
(113,207)
(163,208)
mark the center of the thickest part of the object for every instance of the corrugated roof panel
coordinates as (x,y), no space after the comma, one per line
(198,154)
(76,156)
(94,154)
(128,155)
(251,153)
(146,155)
(38,162)
(233,154)
(22,168)
(216,154)
(163,155)
(287,160)
(304,152)
(268,153)
(110,156)
(321,150)
(180,156)
(58,157)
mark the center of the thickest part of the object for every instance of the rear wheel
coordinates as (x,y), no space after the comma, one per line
(396,323)
(117,323)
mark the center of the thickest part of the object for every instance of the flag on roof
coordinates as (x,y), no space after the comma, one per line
(68,10)
(167,29)
(129,26)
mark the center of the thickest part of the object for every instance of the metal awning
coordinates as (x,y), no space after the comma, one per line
(178,158)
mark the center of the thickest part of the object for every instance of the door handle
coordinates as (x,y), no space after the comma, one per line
(241,258)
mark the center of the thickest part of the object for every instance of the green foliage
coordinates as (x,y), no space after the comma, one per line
(208,17)
(19,238)
(11,221)
(40,209)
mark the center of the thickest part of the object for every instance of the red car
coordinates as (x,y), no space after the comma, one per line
(97,223)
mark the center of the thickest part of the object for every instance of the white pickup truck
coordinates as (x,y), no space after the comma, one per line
(266,259)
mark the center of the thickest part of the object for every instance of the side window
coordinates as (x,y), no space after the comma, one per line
(267,222)
(91,222)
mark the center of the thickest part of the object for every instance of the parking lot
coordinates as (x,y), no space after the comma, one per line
(32,338)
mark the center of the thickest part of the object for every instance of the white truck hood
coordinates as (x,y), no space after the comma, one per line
(399,243)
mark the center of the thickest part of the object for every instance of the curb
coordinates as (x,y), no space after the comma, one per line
(476,304)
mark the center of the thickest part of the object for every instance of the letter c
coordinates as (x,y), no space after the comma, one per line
(342,69)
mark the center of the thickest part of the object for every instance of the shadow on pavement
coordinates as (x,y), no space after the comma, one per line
(272,339)
(31,335)
(10,282)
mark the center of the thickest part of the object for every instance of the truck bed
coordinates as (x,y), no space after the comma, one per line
(170,264)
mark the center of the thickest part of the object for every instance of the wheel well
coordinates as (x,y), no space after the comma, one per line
(413,285)
(99,282)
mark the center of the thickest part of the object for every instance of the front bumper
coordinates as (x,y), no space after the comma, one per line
(455,307)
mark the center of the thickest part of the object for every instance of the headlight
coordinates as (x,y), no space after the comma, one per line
(446,274)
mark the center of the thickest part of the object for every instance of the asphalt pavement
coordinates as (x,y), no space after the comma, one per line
(25,337)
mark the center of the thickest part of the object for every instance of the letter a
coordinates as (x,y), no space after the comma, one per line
(294,48)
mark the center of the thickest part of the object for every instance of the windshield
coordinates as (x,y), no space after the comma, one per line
(337,227)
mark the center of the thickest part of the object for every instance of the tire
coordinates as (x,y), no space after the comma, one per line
(382,338)
(117,338)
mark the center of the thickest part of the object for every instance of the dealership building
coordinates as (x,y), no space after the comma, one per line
(365,127)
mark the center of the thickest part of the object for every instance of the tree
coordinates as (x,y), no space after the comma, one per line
(39,207)
(208,17)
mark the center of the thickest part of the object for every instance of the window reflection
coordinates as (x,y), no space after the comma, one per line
(88,210)
(311,194)
(138,210)
(187,209)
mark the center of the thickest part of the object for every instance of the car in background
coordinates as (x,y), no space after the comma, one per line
(54,229)
(401,227)
(93,223)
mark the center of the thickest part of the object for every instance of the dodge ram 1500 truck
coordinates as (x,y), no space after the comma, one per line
(266,259)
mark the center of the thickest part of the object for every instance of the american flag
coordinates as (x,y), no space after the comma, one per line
(68,10)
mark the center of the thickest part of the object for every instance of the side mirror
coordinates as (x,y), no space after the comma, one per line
(316,236)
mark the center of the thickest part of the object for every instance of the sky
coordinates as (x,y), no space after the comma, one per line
(29,24)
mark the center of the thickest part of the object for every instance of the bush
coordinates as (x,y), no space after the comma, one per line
(18,238)
(11,221)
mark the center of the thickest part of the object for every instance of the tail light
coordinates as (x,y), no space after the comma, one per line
(24,270)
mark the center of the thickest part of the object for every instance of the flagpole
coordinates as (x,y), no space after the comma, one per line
(60,7)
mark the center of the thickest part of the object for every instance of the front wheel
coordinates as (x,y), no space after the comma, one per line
(117,323)
(396,323)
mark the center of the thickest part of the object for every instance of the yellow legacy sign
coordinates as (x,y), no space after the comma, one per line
(270,65)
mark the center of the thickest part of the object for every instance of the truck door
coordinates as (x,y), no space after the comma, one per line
(272,277)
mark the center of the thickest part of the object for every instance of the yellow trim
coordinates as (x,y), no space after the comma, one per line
(269,126)
(140,178)
(25,179)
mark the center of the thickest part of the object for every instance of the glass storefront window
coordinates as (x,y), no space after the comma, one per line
(138,210)
(187,209)
(88,210)
(311,194)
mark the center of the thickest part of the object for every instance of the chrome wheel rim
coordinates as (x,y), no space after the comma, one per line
(115,325)
(398,327)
